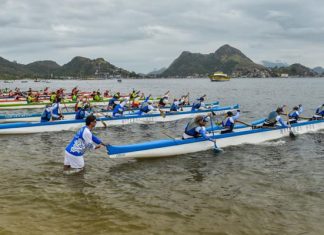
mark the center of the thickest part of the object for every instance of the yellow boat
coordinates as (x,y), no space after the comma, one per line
(219,77)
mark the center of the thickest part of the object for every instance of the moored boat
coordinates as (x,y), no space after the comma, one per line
(67,125)
(241,135)
(219,77)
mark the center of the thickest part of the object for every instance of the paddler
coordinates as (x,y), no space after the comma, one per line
(114,101)
(47,114)
(175,106)
(198,104)
(294,115)
(53,97)
(120,108)
(164,100)
(83,112)
(146,106)
(97,96)
(229,121)
(83,141)
(57,113)
(30,98)
(196,128)
(133,95)
(320,111)
(274,117)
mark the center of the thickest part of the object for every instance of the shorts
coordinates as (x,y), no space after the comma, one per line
(73,161)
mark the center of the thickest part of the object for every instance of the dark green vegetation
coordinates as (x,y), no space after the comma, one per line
(228,60)
(78,67)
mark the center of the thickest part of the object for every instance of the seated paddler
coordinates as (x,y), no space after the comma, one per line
(320,111)
(229,121)
(294,115)
(175,106)
(47,113)
(274,118)
(57,113)
(198,104)
(83,112)
(197,128)
(146,106)
(120,108)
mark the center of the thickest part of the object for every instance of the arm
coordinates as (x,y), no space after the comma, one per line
(282,123)
(202,132)
(147,98)
(90,139)
(237,115)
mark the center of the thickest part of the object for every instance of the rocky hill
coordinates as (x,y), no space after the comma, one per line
(226,59)
(78,67)
(295,70)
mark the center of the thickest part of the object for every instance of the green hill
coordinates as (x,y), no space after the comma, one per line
(226,59)
(296,70)
(43,68)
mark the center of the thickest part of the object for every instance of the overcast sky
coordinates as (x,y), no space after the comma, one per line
(141,35)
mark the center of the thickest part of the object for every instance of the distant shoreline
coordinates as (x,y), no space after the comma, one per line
(148,78)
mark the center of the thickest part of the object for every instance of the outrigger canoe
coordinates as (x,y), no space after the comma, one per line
(35,117)
(241,135)
(41,105)
(71,125)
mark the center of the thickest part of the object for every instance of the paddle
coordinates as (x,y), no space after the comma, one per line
(291,133)
(103,123)
(216,148)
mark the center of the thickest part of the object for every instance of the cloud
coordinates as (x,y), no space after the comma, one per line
(141,35)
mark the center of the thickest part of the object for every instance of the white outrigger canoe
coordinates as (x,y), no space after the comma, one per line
(35,117)
(71,125)
(241,135)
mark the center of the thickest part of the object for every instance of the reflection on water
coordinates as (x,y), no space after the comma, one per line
(271,188)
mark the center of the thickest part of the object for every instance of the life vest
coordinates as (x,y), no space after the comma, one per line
(96,98)
(174,107)
(196,105)
(118,110)
(46,115)
(80,114)
(272,118)
(228,124)
(53,98)
(55,109)
(191,129)
(320,111)
(29,99)
(294,115)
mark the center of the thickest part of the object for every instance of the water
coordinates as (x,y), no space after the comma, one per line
(272,188)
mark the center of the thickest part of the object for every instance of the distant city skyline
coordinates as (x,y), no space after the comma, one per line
(145,35)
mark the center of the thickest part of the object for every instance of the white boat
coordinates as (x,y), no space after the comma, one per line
(69,125)
(35,117)
(242,135)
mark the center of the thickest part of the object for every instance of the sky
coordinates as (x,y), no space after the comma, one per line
(142,35)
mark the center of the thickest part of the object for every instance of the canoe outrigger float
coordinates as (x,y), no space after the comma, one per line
(242,135)
(71,125)
(35,117)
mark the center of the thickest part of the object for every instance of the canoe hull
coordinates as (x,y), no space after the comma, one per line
(69,125)
(244,136)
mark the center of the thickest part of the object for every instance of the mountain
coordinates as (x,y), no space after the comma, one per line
(277,64)
(78,67)
(226,59)
(319,70)
(295,70)
(12,70)
(85,67)
(43,68)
